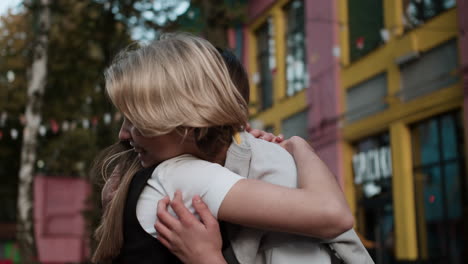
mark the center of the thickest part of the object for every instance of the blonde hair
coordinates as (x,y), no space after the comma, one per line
(122,160)
(181,83)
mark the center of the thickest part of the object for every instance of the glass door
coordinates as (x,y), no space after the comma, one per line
(440,189)
(372,167)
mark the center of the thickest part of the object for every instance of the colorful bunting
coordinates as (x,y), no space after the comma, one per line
(85,123)
(360,43)
(94,121)
(53,125)
(107,118)
(3,119)
(42,130)
(65,126)
(14,133)
(22,120)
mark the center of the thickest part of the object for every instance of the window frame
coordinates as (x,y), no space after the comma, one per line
(264,54)
(289,31)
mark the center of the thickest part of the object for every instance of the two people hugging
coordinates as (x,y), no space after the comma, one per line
(185,136)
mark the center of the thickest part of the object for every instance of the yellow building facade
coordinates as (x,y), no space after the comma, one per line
(283,106)
(397,114)
(400,115)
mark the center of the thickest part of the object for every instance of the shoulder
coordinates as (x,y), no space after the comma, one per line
(182,161)
(264,149)
(193,176)
(186,164)
(271,163)
(189,172)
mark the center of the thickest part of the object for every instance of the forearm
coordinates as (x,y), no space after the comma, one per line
(316,208)
(320,183)
(267,206)
(312,173)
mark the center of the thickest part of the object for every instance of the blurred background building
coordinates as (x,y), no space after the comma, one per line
(378,87)
(380,90)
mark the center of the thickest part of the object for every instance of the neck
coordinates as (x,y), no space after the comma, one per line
(220,158)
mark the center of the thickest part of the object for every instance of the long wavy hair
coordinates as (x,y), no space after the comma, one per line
(180,83)
(118,158)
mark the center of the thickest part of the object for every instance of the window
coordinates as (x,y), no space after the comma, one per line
(439,182)
(269,129)
(366,98)
(416,12)
(266,63)
(432,71)
(239,47)
(296,67)
(295,125)
(365,26)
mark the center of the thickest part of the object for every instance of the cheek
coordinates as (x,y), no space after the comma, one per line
(166,149)
(135,132)
(137,136)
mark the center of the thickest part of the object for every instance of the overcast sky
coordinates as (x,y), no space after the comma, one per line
(5,4)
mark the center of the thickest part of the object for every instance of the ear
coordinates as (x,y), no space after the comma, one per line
(186,134)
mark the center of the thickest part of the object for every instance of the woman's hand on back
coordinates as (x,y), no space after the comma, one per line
(190,239)
(317,208)
(295,142)
(264,135)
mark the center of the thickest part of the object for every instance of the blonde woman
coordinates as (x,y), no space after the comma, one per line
(182,112)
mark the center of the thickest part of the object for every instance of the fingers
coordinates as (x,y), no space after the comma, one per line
(286,145)
(279,139)
(168,225)
(165,242)
(177,204)
(266,136)
(164,233)
(294,142)
(203,211)
(164,216)
(256,132)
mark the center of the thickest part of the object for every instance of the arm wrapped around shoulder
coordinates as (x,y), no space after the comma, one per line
(320,183)
(317,208)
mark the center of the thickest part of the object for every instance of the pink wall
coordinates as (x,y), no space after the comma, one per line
(58,221)
(256,7)
(323,93)
(462,8)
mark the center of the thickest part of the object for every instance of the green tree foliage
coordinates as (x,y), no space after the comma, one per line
(217,16)
(84,37)
(82,40)
(15,59)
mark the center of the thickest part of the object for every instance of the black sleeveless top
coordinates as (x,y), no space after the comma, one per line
(140,247)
